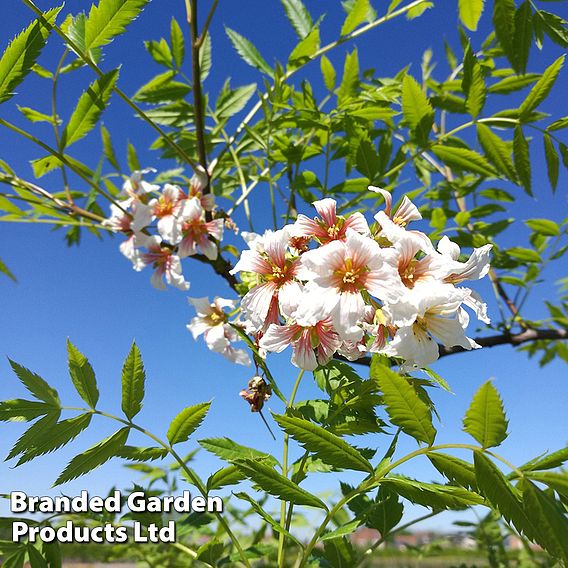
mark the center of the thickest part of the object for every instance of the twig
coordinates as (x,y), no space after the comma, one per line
(201,38)
(526,336)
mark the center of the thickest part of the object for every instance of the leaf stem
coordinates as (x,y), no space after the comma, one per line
(283,520)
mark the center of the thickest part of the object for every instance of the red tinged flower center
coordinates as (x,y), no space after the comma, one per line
(349,277)
(407,273)
(164,207)
(280,274)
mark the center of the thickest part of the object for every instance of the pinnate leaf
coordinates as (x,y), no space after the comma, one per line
(109,18)
(269,480)
(248,52)
(186,422)
(541,89)
(22,53)
(133,380)
(94,456)
(82,375)
(331,449)
(485,418)
(299,17)
(470,13)
(404,407)
(35,384)
(230,451)
(89,108)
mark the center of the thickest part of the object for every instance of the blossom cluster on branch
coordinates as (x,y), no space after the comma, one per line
(327,285)
(379,288)
(180,222)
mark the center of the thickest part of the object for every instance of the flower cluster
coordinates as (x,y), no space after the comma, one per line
(178,217)
(334,284)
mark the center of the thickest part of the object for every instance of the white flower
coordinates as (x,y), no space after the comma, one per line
(337,275)
(211,322)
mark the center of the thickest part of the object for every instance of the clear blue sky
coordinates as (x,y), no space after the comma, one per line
(92,295)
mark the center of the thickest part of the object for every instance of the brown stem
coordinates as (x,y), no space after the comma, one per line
(197,95)
(526,336)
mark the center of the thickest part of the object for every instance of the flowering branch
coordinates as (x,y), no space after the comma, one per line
(526,336)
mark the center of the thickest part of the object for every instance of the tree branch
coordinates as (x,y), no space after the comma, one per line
(525,336)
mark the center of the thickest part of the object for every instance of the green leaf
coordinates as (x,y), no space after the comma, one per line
(232,101)
(485,418)
(248,52)
(160,52)
(34,433)
(35,557)
(350,78)
(544,227)
(464,159)
(186,422)
(331,449)
(133,379)
(431,495)
(522,38)
(35,384)
(35,116)
(134,453)
(82,375)
(177,42)
(521,158)
(555,27)
(552,161)
(416,108)
(228,450)
(404,406)
(22,53)
(94,456)
(542,88)
(356,16)
(497,151)
(367,160)
(558,124)
(513,83)
(132,158)
(550,461)
(524,254)
(108,148)
(265,516)
(20,410)
(306,48)
(501,494)
(230,475)
(162,88)
(205,58)
(89,108)
(473,84)
(549,518)
(454,469)
(269,480)
(328,72)
(55,436)
(299,17)
(343,530)
(504,23)
(108,19)
(6,271)
(470,13)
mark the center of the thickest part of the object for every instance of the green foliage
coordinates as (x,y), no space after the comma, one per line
(186,422)
(299,17)
(274,483)
(94,456)
(22,53)
(133,380)
(485,418)
(470,13)
(108,19)
(82,375)
(89,108)
(248,52)
(37,386)
(404,406)
(330,448)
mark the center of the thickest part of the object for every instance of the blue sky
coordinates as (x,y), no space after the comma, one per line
(92,295)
